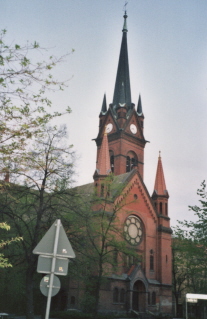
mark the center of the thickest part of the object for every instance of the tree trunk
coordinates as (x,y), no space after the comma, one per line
(29,296)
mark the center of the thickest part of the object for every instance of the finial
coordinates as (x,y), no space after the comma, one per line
(124,9)
(125,18)
(159,154)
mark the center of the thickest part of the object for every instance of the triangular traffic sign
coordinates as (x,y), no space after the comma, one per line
(46,244)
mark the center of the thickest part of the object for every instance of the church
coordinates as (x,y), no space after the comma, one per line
(144,286)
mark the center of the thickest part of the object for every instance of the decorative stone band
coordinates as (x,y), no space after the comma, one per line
(164,229)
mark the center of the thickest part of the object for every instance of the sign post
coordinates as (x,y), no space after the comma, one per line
(54,249)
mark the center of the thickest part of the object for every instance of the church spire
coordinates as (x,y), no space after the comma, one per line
(160,186)
(103,164)
(104,106)
(139,107)
(122,91)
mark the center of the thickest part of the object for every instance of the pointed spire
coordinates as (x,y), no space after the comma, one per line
(139,107)
(104,106)
(122,77)
(103,165)
(160,186)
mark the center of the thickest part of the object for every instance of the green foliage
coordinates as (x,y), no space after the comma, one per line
(4,262)
(100,244)
(32,155)
(190,249)
(24,83)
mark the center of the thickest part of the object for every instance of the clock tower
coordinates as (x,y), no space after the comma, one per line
(123,121)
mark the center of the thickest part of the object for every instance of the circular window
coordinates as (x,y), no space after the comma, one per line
(133,230)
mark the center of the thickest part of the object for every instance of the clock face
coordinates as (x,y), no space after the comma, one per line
(133,128)
(133,230)
(109,128)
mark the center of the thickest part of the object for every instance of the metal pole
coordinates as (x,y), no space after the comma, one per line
(52,268)
(186,308)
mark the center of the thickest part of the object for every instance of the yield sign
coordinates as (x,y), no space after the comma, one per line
(46,244)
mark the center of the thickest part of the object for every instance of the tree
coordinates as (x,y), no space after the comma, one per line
(35,176)
(4,263)
(24,82)
(39,195)
(100,244)
(190,250)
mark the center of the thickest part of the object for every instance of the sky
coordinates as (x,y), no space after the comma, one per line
(167,47)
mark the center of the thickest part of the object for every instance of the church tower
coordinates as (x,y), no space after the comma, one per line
(123,121)
(139,276)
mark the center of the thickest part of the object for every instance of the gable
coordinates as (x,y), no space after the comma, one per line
(133,127)
(134,186)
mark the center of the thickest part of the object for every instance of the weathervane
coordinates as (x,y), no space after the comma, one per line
(124,8)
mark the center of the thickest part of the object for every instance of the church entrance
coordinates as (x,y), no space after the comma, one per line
(139,296)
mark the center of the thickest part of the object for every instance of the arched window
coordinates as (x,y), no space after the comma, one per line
(151,260)
(111,154)
(102,190)
(115,257)
(122,295)
(153,298)
(161,208)
(166,209)
(149,301)
(72,300)
(116,295)
(131,161)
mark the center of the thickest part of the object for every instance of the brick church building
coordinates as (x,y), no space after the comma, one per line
(137,286)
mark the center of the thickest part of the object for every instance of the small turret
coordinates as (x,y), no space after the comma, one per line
(160,195)
(103,167)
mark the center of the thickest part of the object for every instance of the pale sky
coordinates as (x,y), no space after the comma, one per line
(167,46)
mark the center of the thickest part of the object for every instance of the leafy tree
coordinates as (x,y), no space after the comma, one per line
(190,250)
(100,245)
(24,83)
(39,195)
(4,263)
(36,170)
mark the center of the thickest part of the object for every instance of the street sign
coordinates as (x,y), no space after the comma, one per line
(45,285)
(44,265)
(46,244)
(54,250)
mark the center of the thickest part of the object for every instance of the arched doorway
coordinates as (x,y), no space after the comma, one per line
(139,296)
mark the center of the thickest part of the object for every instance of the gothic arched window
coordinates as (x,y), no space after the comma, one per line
(72,300)
(153,298)
(116,295)
(166,209)
(131,161)
(111,154)
(122,295)
(151,260)
(161,208)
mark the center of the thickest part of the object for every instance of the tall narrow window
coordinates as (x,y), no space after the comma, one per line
(149,301)
(102,190)
(116,295)
(128,164)
(131,161)
(161,208)
(111,154)
(72,300)
(151,260)
(122,295)
(153,298)
(115,257)
(166,209)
